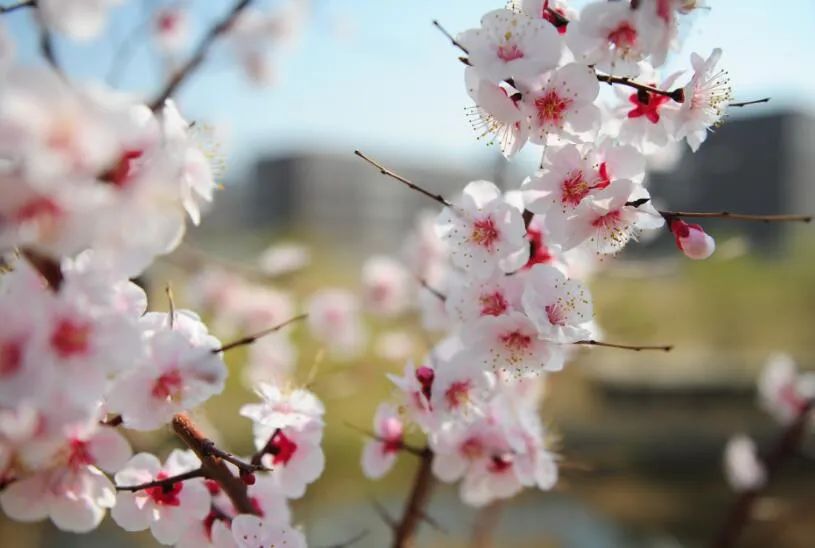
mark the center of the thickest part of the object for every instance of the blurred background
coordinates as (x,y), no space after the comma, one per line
(642,434)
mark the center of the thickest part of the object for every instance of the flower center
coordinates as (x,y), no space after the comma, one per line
(484,233)
(500,463)
(79,455)
(425,376)
(124,170)
(458,394)
(550,108)
(624,36)
(282,447)
(555,314)
(573,189)
(71,338)
(509,52)
(516,340)
(648,108)
(168,386)
(165,495)
(493,304)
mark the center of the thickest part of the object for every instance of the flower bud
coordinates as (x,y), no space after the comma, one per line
(694,242)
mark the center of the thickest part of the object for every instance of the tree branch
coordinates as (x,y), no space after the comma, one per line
(740,512)
(249,339)
(635,348)
(669,215)
(18,5)
(746,103)
(385,171)
(48,268)
(213,465)
(166,483)
(450,37)
(677,95)
(405,530)
(199,55)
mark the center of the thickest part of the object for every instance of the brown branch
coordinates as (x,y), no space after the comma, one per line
(635,348)
(166,483)
(405,530)
(48,268)
(112,421)
(740,512)
(249,339)
(450,37)
(18,5)
(677,95)
(385,171)
(747,103)
(199,55)
(213,465)
(244,467)
(268,449)
(669,215)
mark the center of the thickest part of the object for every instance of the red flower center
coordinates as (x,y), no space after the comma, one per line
(509,52)
(122,173)
(71,338)
(282,447)
(458,394)
(539,253)
(555,314)
(516,340)
(484,232)
(649,108)
(550,108)
(493,304)
(168,385)
(624,36)
(79,455)
(165,495)
(500,463)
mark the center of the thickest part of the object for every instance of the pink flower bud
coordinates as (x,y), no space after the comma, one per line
(694,242)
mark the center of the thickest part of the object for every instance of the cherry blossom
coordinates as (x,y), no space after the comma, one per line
(166,512)
(71,490)
(706,98)
(743,468)
(496,115)
(293,454)
(254,532)
(611,36)
(560,308)
(557,12)
(333,318)
(386,286)
(608,222)
(481,229)
(510,343)
(692,240)
(416,387)
(379,454)
(782,390)
(511,45)
(559,103)
(180,371)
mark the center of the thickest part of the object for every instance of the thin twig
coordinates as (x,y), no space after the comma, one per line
(18,5)
(402,445)
(635,348)
(269,449)
(385,171)
(405,530)
(245,467)
(171,303)
(214,467)
(112,421)
(438,294)
(677,95)
(450,37)
(166,483)
(668,215)
(249,339)
(746,103)
(199,55)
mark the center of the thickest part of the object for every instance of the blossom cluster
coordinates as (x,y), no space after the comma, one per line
(95,185)
(503,273)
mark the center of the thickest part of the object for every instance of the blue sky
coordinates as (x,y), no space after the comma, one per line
(389,83)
